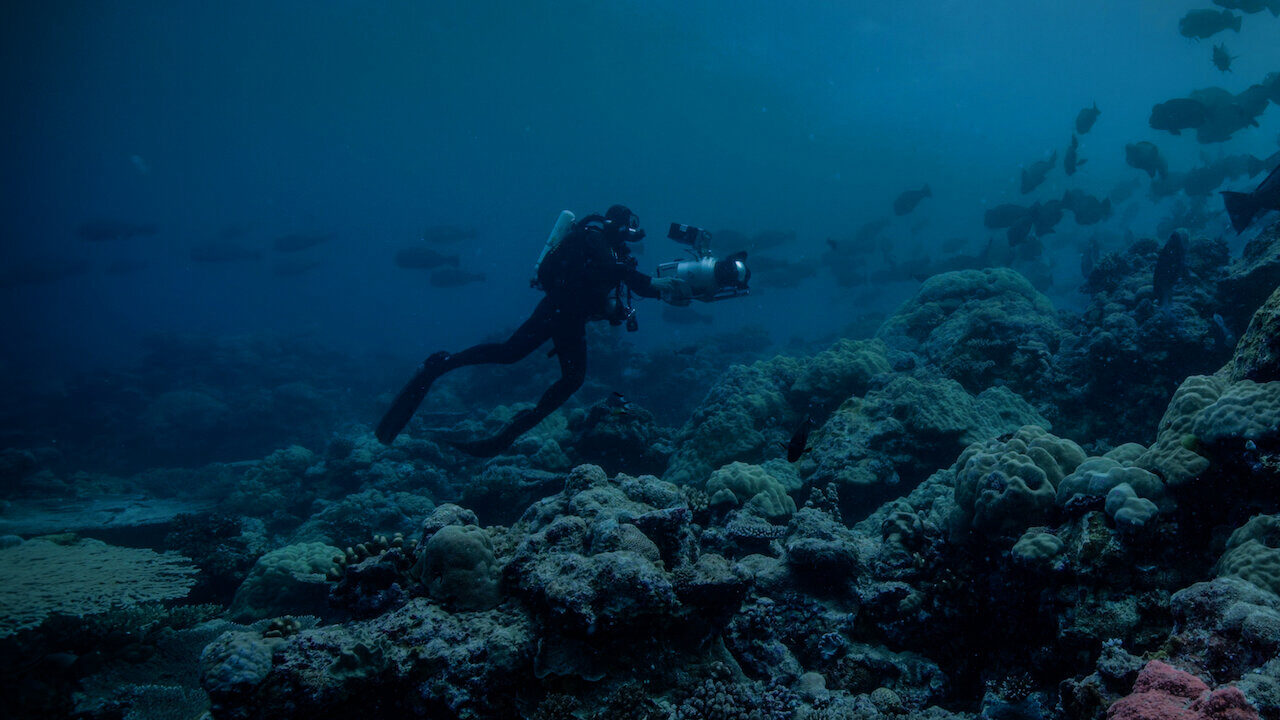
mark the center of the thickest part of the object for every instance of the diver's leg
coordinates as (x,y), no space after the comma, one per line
(532,333)
(571,348)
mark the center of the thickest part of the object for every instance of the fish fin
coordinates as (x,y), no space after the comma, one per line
(1241,207)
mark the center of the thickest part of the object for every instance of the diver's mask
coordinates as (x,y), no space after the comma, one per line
(622,224)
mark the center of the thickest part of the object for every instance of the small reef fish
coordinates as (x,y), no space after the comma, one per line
(1178,114)
(617,404)
(799,443)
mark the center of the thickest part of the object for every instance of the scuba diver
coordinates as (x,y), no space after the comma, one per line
(582,270)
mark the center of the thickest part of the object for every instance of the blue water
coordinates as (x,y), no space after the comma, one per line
(374,122)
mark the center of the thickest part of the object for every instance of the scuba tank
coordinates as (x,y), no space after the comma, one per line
(563,225)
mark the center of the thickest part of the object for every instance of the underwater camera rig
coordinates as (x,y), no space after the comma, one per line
(709,279)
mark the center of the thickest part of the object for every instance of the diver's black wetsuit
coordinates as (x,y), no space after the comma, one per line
(589,267)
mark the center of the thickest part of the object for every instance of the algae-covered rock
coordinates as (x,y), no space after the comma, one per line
(981,327)
(288,581)
(1253,553)
(457,566)
(1257,355)
(893,438)
(742,484)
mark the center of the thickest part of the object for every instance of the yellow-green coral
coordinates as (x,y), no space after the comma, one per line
(1003,486)
(1037,547)
(285,581)
(1169,457)
(751,485)
(1246,410)
(1253,553)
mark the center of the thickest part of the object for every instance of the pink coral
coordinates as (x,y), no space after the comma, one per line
(1163,692)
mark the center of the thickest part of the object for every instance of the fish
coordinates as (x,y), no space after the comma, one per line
(1146,156)
(448,234)
(417,257)
(799,443)
(1250,6)
(1086,118)
(296,242)
(1045,216)
(1171,265)
(1228,113)
(908,200)
(1034,175)
(1221,59)
(1072,160)
(1178,114)
(867,234)
(1244,207)
(1203,180)
(294,267)
(1087,209)
(1200,24)
(617,404)
(108,230)
(1003,216)
(223,251)
(454,277)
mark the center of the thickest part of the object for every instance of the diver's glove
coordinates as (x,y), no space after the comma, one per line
(674,291)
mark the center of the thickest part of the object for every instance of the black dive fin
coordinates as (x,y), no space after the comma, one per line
(405,405)
(1241,207)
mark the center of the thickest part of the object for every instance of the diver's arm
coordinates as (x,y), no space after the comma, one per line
(640,283)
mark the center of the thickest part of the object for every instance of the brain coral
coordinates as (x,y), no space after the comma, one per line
(1004,486)
(39,578)
(458,567)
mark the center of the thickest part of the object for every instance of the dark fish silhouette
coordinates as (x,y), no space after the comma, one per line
(223,251)
(423,258)
(296,242)
(1202,181)
(1087,209)
(908,200)
(1034,175)
(1178,114)
(1171,265)
(1086,118)
(294,267)
(1004,216)
(454,277)
(799,441)
(1243,207)
(1228,113)
(1200,24)
(1146,156)
(1071,161)
(1221,59)
(448,234)
(1250,6)
(106,230)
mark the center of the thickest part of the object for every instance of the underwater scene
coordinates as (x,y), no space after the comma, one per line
(640,360)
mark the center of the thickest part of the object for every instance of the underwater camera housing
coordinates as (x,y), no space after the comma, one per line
(709,279)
